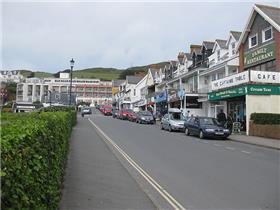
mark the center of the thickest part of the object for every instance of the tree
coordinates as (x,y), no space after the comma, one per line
(11,88)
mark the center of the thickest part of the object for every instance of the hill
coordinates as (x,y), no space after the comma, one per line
(106,74)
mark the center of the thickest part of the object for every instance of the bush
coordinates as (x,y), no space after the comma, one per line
(34,150)
(266,118)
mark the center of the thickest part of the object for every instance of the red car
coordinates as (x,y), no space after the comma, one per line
(132,117)
(107,110)
(124,114)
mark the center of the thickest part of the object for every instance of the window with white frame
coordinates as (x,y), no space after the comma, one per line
(218,54)
(267,34)
(233,48)
(213,77)
(253,41)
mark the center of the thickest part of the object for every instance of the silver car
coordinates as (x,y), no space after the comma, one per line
(173,121)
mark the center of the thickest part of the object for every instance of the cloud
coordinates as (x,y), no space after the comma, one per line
(45,36)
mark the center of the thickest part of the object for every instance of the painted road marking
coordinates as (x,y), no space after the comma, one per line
(246,152)
(171,200)
(230,148)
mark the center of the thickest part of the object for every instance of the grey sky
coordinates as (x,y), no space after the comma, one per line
(45,36)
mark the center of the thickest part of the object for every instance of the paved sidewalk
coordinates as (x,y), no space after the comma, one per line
(260,141)
(95,178)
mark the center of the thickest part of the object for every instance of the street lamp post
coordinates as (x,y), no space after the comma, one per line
(70,92)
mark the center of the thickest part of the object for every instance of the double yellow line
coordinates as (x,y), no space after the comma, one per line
(171,200)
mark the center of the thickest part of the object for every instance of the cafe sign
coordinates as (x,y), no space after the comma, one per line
(265,76)
(259,55)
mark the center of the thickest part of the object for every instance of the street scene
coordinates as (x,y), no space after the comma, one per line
(140,105)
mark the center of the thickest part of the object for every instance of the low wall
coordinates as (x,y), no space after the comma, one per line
(268,131)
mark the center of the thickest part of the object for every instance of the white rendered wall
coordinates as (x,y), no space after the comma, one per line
(261,104)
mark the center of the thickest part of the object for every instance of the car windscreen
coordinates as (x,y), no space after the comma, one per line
(208,121)
(176,116)
(145,113)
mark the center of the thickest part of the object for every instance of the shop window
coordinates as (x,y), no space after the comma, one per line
(267,34)
(253,41)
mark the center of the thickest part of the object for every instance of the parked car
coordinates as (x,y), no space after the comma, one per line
(118,114)
(101,108)
(107,110)
(145,117)
(86,110)
(132,117)
(125,113)
(173,120)
(206,127)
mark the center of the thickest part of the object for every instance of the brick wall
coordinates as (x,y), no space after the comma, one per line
(276,35)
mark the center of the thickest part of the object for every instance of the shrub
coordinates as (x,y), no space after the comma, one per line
(266,118)
(34,150)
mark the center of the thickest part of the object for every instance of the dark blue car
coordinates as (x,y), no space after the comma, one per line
(205,127)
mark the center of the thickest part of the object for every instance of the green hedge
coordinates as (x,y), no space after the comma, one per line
(266,118)
(34,150)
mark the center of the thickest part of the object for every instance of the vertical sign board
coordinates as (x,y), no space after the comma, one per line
(260,55)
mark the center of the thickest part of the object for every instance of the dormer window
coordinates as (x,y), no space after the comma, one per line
(253,41)
(233,47)
(267,34)
(193,58)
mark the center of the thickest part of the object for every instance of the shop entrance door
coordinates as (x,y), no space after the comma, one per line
(218,109)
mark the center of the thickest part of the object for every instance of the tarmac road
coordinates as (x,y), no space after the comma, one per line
(200,174)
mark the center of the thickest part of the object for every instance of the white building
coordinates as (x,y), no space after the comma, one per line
(223,62)
(56,90)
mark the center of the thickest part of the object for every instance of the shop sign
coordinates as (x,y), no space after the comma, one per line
(181,94)
(232,80)
(173,97)
(161,97)
(259,55)
(265,76)
(249,89)
(229,93)
(263,90)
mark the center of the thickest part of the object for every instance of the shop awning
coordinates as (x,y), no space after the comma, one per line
(151,103)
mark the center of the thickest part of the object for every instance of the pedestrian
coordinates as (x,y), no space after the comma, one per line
(229,123)
(221,117)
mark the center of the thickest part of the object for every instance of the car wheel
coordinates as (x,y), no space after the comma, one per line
(201,135)
(169,128)
(187,132)
(161,126)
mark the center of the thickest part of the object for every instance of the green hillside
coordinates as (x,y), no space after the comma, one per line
(98,72)
(40,74)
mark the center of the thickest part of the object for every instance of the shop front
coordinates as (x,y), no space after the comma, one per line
(244,100)
(161,103)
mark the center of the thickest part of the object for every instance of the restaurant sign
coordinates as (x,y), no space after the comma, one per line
(259,55)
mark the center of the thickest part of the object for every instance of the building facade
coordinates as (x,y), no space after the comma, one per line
(56,90)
